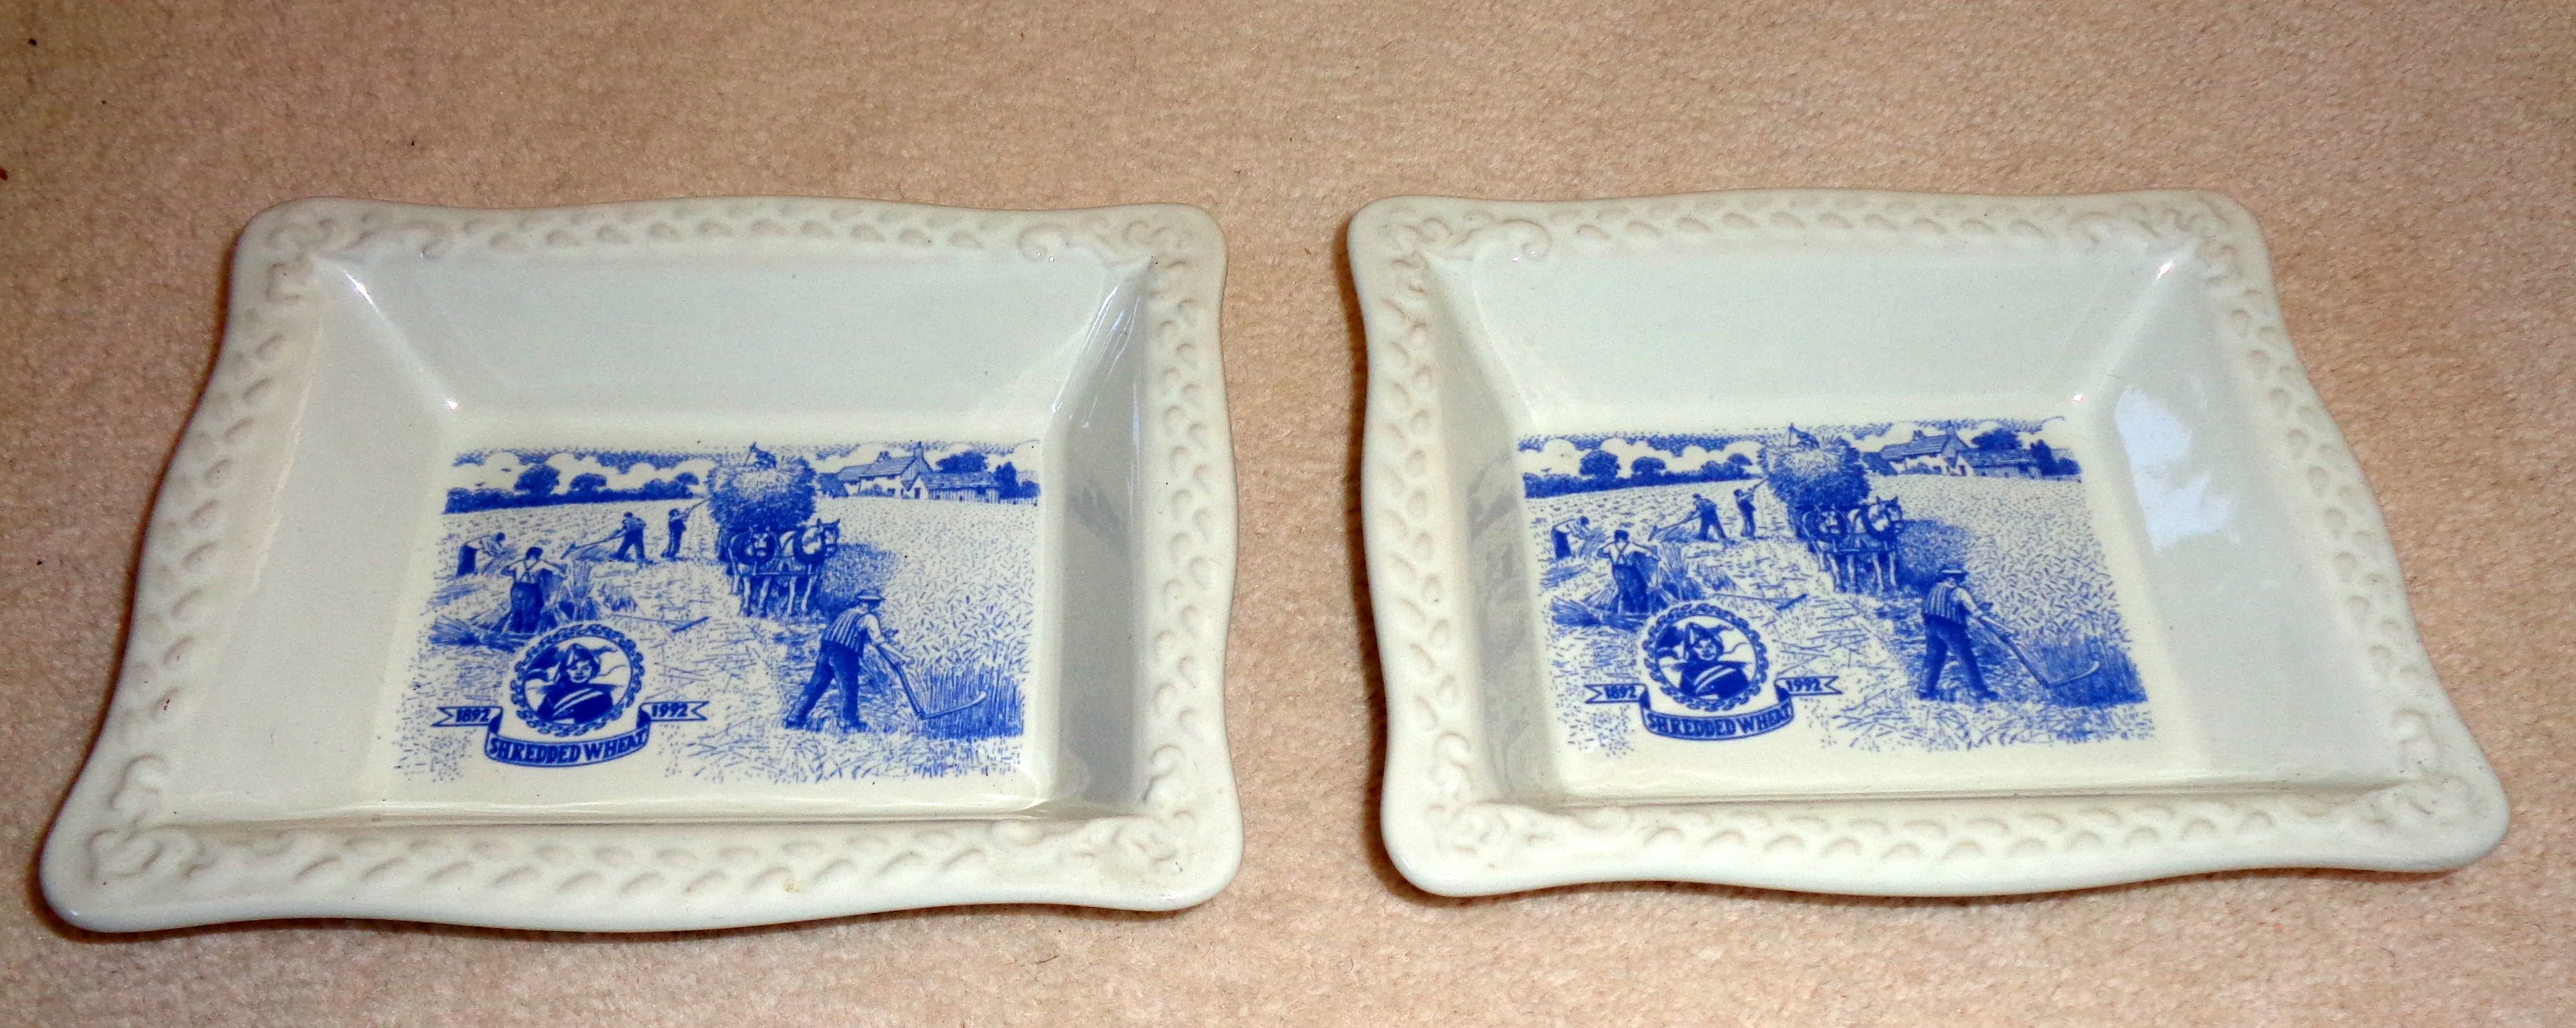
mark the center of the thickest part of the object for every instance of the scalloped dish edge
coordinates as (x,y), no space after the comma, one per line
(114,861)
(1448,833)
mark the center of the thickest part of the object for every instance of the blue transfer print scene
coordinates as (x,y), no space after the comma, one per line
(761,615)
(1929,585)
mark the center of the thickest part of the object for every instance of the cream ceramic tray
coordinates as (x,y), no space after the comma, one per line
(1877,543)
(681,564)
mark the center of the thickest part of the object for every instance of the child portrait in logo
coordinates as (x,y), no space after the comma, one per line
(1704,657)
(577,679)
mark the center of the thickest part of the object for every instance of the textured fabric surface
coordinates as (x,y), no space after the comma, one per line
(2412,164)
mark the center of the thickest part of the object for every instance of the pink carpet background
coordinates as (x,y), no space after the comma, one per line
(2414,166)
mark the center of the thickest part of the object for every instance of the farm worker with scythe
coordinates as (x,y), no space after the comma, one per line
(1569,534)
(1948,606)
(491,546)
(574,551)
(630,538)
(841,655)
(1710,528)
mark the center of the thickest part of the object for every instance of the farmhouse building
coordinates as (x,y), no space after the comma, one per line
(903,476)
(1927,455)
(2013,463)
(961,485)
(912,477)
(1947,454)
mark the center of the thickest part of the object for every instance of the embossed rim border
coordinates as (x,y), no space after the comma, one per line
(113,862)
(1449,835)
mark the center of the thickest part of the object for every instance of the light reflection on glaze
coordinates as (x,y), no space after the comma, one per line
(2176,503)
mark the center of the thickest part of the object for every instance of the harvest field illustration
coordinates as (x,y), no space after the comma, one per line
(760,615)
(1928,586)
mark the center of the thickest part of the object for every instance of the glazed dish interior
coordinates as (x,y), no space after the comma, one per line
(1793,519)
(785,533)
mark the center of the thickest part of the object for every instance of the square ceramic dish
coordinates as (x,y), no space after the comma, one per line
(681,564)
(1877,543)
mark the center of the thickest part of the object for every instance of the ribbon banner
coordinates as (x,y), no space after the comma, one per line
(531,753)
(1716,726)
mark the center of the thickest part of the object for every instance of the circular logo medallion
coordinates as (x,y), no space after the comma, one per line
(576,679)
(1703,656)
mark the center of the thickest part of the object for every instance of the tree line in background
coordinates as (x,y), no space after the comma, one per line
(1600,470)
(536,488)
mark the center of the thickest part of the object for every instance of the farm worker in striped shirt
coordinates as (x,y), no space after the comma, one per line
(1947,609)
(842,655)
